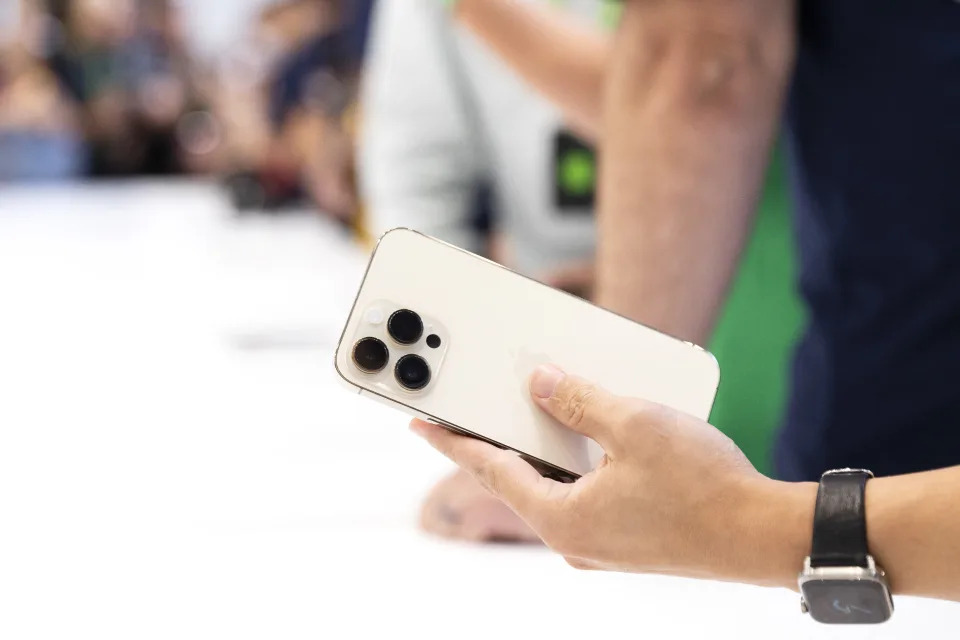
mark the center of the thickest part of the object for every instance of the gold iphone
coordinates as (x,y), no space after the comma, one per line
(450,337)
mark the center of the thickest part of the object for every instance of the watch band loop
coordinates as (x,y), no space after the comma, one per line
(839,521)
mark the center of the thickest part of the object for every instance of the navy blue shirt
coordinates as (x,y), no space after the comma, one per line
(873,130)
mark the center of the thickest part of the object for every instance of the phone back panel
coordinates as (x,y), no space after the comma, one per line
(497,327)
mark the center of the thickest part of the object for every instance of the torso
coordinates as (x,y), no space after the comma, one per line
(874,137)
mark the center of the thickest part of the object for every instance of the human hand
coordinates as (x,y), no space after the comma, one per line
(460,508)
(672,495)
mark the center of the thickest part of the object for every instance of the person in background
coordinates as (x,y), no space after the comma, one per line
(260,173)
(40,135)
(125,62)
(693,94)
(441,115)
(286,103)
(447,131)
(312,94)
(861,264)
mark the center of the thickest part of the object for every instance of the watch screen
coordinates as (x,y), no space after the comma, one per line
(846,601)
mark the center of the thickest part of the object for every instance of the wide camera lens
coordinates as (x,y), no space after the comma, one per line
(405,326)
(370,355)
(412,372)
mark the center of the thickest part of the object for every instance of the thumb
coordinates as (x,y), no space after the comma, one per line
(579,405)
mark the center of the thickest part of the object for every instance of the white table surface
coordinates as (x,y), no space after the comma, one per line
(177,460)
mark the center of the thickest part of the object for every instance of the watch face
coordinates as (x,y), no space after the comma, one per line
(847,601)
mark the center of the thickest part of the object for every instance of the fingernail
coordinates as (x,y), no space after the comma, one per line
(545,379)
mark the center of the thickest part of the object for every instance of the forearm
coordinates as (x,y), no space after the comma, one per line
(561,58)
(692,102)
(913,531)
(913,525)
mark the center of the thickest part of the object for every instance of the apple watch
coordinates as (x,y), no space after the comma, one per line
(840,582)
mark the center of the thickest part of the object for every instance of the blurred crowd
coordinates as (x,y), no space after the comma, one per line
(450,140)
(112,89)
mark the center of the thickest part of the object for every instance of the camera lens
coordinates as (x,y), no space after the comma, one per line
(405,326)
(412,372)
(370,355)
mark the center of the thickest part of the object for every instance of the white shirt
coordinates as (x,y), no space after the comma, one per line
(441,113)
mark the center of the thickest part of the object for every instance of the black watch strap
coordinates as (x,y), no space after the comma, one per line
(839,520)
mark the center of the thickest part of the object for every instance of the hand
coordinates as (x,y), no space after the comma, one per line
(672,495)
(460,508)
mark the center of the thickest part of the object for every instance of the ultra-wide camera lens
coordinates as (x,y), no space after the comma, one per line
(412,372)
(405,326)
(370,355)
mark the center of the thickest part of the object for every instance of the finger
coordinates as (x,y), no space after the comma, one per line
(502,473)
(581,564)
(579,405)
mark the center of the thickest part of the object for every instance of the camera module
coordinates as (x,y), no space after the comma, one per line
(370,355)
(412,372)
(405,326)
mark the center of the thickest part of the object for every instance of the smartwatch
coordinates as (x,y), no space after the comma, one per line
(840,582)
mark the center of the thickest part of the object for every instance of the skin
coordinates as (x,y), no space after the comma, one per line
(686,98)
(32,101)
(692,94)
(559,56)
(673,495)
(460,508)
(693,98)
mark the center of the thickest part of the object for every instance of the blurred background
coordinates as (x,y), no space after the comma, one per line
(257,94)
(188,193)
(265,99)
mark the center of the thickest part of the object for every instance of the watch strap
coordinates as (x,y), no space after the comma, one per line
(839,520)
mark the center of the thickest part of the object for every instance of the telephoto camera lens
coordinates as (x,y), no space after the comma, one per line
(370,355)
(412,372)
(405,326)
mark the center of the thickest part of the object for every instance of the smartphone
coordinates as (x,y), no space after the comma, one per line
(452,338)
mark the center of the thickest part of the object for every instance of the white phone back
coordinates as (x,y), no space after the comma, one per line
(497,326)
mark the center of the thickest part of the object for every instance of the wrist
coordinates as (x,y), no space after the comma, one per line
(773,530)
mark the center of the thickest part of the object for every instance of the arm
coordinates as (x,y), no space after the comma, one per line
(418,166)
(666,472)
(913,525)
(558,56)
(692,102)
